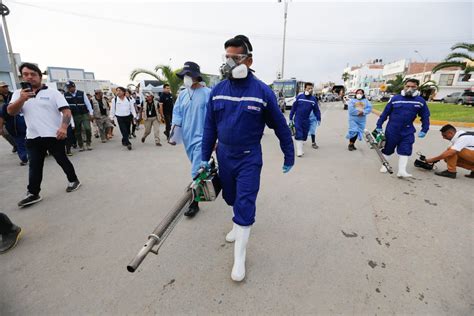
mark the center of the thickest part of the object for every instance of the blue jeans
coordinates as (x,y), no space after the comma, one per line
(20,142)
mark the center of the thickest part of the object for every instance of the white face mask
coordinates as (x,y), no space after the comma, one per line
(308,92)
(240,72)
(187,81)
(359,96)
(231,70)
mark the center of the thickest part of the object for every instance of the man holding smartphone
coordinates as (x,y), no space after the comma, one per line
(47,117)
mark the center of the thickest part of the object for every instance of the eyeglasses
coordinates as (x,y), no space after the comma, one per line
(237,58)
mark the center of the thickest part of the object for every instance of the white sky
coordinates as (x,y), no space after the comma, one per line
(111,38)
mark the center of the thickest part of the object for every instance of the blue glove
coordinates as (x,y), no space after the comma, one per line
(379,130)
(319,123)
(421,134)
(205,165)
(286,168)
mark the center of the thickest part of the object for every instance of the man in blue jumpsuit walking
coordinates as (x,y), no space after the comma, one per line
(237,112)
(189,114)
(401,111)
(304,105)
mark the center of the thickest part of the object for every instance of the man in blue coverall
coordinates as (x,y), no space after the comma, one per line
(189,114)
(237,112)
(304,104)
(401,111)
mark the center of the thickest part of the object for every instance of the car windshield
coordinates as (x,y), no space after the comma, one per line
(468,94)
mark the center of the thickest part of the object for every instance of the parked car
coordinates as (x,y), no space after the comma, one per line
(454,97)
(329,97)
(467,98)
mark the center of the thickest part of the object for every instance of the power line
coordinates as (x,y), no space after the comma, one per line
(392,42)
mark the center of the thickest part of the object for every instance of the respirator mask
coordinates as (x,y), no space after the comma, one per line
(233,67)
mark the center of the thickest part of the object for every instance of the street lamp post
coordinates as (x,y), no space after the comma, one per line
(424,66)
(284,38)
(4,11)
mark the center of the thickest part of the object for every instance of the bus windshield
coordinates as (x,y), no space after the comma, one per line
(288,88)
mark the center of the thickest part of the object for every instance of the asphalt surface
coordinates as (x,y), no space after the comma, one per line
(334,236)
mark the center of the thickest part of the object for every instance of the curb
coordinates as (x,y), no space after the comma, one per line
(436,122)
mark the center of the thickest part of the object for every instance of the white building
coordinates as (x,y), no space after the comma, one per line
(85,81)
(393,69)
(366,76)
(449,80)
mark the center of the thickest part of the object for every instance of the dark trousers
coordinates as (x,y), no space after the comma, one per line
(124,123)
(168,120)
(37,148)
(71,138)
(8,137)
(6,226)
(20,142)
(353,139)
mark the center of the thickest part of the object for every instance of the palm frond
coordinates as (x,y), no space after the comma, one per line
(464,45)
(140,71)
(463,56)
(448,64)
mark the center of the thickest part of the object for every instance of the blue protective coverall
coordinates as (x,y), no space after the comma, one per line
(356,122)
(189,112)
(401,112)
(236,116)
(301,110)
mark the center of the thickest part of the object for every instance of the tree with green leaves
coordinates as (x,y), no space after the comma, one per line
(461,57)
(345,76)
(161,73)
(395,85)
(427,89)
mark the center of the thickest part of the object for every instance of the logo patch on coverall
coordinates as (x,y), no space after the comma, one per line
(254,108)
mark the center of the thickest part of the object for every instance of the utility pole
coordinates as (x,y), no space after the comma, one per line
(284,38)
(4,11)
(424,66)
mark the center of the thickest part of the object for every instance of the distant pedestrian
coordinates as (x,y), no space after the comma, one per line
(123,108)
(129,95)
(10,233)
(81,110)
(152,118)
(166,103)
(5,96)
(358,109)
(47,129)
(100,107)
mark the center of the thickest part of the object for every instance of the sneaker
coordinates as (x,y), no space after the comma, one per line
(74,146)
(96,135)
(23,163)
(81,148)
(143,139)
(129,146)
(88,147)
(30,199)
(315,146)
(446,173)
(158,144)
(471,175)
(134,136)
(73,186)
(104,141)
(351,147)
(9,240)
(68,152)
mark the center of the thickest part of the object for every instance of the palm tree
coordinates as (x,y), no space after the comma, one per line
(161,73)
(395,85)
(463,60)
(427,89)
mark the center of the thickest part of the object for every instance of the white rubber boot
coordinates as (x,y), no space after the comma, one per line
(299,148)
(230,237)
(242,234)
(402,167)
(383,169)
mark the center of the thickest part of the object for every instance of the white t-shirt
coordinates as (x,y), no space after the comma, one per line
(459,143)
(42,113)
(123,107)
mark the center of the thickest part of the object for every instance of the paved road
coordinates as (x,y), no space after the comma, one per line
(332,237)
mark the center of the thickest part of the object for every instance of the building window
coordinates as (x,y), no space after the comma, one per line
(464,77)
(446,80)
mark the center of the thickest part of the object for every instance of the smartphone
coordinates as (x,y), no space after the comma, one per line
(26,85)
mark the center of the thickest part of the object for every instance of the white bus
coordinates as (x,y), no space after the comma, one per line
(286,90)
